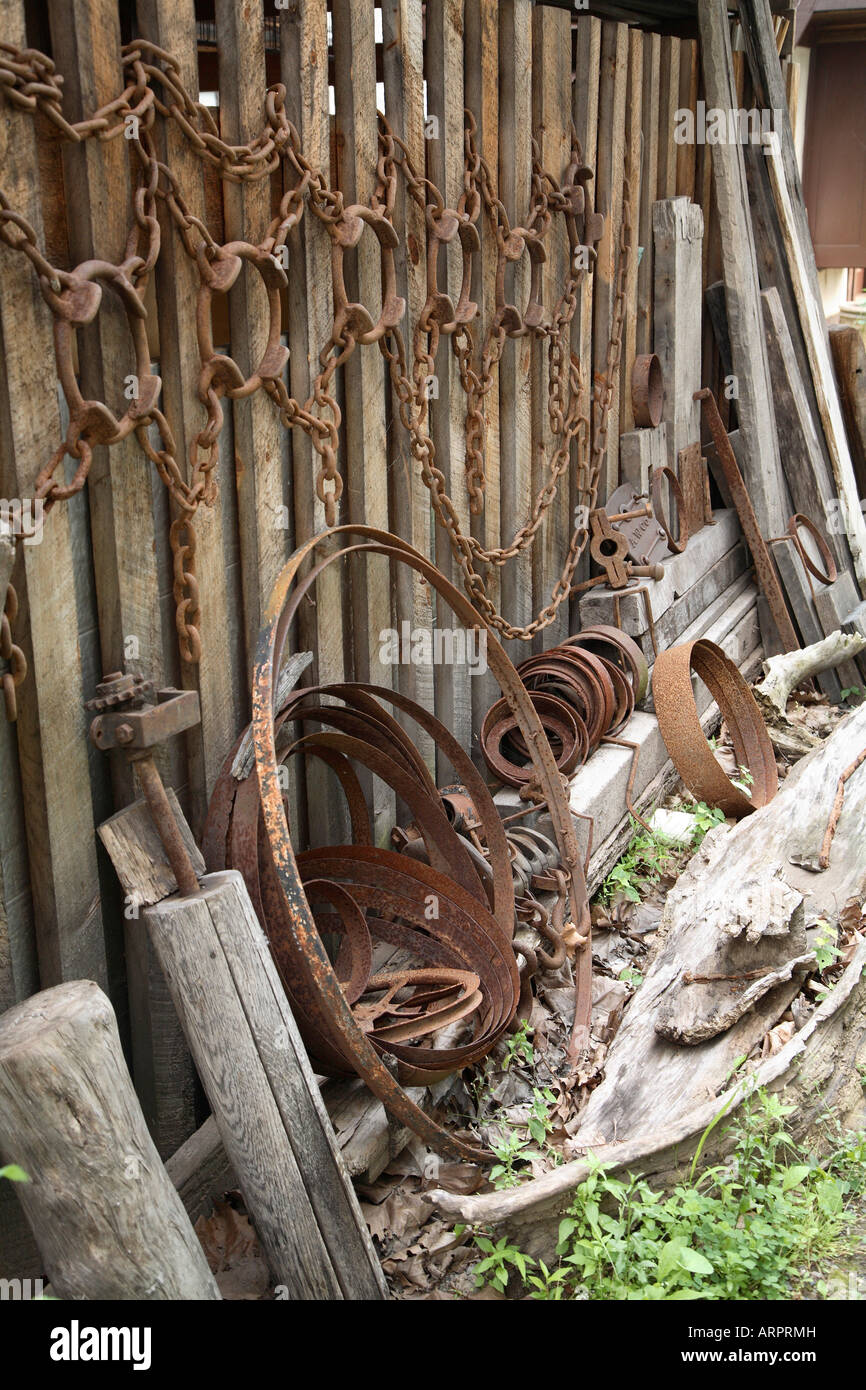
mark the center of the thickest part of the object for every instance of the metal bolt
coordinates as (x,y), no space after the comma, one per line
(124,733)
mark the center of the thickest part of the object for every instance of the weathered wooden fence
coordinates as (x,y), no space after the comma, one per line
(97,593)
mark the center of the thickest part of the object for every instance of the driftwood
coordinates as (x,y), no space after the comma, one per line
(107,1220)
(740,909)
(785,672)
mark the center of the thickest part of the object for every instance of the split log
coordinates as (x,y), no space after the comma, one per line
(785,672)
(739,908)
(107,1220)
(260,1085)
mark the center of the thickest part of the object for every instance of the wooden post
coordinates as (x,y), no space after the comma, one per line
(107,1220)
(515,164)
(678,230)
(51,754)
(411,513)
(262,1091)
(849,361)
(648,188)
(608,193)
(634,110)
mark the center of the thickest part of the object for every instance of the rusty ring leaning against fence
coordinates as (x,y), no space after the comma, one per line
(685,740)
(268,656)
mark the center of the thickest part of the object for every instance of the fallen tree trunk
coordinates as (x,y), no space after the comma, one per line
(740,911)
(785,672)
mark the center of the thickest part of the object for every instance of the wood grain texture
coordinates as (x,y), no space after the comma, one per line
(634,137)
(551,97)
(849,363)
(515,164)
(304,70)
(443,59)
(410,510)
(678,229)
(139,856)
(648,188)
(51,757)
(668,103)
(171,25)
(98,1190)
(608,192)
(247,213)
(262,1091)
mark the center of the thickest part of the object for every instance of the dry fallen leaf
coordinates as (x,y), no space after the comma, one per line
(232,1250)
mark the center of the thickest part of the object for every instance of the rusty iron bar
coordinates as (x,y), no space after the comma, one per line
(824,857)
(765,570)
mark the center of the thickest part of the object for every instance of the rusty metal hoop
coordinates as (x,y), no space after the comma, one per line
(647,391)
(685,740)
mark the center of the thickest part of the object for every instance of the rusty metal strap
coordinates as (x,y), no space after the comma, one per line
(685,740)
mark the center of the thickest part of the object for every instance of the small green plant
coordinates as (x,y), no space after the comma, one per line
(518,1047)
(631,976)
(639,868)
(706,818)
(852,692)
(745,780)
(499,1260)
(751,1227)
(540,1123)
(507,1150)
(14,1173)
(713,742)
(826,950)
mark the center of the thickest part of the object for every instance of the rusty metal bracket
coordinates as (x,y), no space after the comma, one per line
(126,719)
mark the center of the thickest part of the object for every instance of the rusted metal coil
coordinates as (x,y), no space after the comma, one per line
(367,891)
(685,740)
(584,691)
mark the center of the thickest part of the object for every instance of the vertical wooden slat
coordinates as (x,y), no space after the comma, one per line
(51,728)
(667,103)
(585,115)
(86,43)
(247,213)
(366,466)
(648,189)
(515,126)
(634,116)
(445,166)
(171,25)
(481,79)
(687,153)
(411,514)
(551,101)
(611,149)
(304,70)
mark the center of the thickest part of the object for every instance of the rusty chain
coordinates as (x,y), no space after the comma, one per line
(154,87)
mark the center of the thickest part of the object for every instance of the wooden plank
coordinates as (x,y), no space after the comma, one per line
(640,451)
(51,728)
(812,491)
(668,102)
(481,84)
(411,514)
(678,229)
(611,149)
(687,153)
(266,1102)
(634,117)
(247,213)
(171,25)
(814,327)
(365,417)
(648,189)
(551,100)
(515,167)
(585,115)
(304,70)
(138,854)
(443,57)
(849,363)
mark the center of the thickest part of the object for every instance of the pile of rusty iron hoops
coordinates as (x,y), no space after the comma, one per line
(583,691)
(468,968)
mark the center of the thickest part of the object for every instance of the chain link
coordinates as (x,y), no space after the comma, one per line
(154,87)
